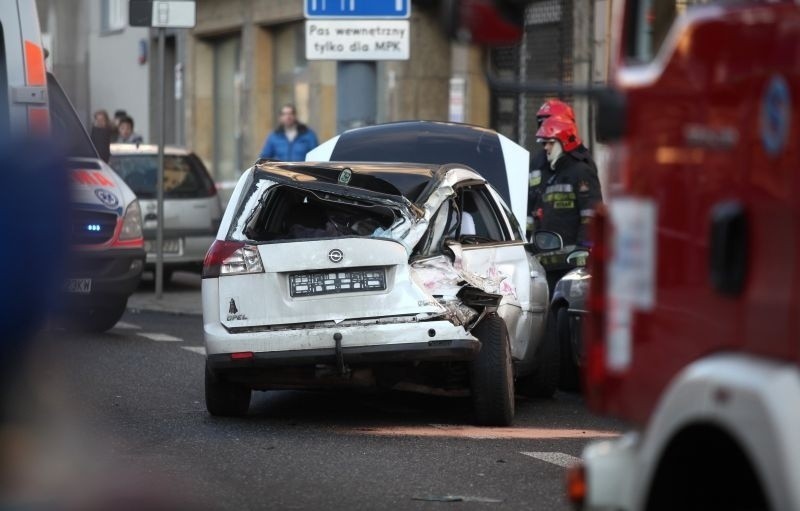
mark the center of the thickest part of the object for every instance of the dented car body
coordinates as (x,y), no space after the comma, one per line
(368,274)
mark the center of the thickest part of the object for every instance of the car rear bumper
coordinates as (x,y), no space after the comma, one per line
(433,351)
(192,247)
(376,343)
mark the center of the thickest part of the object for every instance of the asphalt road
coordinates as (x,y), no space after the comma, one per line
(120,418)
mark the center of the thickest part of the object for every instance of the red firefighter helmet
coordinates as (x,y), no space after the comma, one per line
(555,107)
(561,129)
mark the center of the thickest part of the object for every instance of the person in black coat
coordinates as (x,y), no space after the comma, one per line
(571,191)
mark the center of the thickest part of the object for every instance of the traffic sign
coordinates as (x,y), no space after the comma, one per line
(344,9)
(161,13)
(357,39)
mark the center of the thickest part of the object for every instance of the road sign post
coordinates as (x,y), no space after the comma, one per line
(161,15)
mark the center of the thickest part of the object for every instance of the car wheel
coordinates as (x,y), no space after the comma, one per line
(492,374)
(569,370)
(225,399)
(543,382)
(99,319)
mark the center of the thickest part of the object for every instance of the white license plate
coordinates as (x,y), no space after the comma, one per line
(171,246)
(80,286)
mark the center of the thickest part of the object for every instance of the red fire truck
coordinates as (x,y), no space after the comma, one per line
(695,295)
(694,331)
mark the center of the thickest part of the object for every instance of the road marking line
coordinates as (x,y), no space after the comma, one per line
(556,458)
(482,433)
(195,349)
(160,337)
(127,326)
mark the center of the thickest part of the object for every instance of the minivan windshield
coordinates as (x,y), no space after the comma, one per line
(184,175)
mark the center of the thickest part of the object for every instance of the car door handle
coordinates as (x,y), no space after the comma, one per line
(150,216)
(728,252)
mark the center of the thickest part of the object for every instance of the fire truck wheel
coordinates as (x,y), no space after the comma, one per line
(492,374)
(225,399)
(543,382)
(569,372)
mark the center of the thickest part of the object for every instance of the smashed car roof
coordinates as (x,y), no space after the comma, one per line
(400,179)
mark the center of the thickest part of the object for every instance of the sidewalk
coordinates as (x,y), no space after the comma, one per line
(181,295)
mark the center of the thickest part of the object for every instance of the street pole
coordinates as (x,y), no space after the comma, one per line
(160,178)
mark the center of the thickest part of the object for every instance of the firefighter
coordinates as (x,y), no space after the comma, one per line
(571,190)
(540,170)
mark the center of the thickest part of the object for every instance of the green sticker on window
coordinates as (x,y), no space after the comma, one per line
(345,175)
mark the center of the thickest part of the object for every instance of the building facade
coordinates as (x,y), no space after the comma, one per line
(104,64)
(227,78)
(246,58)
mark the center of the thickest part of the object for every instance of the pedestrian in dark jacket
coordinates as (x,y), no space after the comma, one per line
(291,140)
(572,189)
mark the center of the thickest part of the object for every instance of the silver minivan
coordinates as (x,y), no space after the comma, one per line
(192,209)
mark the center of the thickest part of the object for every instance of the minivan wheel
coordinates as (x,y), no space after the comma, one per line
(225,399)
(491,374)
(98,319)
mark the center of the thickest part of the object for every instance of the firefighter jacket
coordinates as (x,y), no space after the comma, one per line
(540,173)
(568,196)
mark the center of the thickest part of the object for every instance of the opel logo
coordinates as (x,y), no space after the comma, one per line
(336,255)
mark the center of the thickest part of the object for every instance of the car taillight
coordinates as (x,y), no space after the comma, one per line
(231,258)
(130,234)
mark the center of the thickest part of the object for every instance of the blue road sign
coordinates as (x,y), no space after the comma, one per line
(355,9)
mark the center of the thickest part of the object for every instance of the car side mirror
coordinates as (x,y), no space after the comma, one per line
(547,241)
(577,258)
(544,241)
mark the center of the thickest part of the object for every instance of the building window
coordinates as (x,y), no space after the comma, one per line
(290,63)
(113,15)
(228,81)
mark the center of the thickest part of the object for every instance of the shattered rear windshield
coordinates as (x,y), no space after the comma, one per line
(290,213)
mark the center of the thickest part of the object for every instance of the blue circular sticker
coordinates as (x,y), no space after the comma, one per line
(108,198)
(776,115)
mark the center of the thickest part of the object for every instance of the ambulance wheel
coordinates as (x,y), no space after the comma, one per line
(492,374)
(225,399)
(98,319)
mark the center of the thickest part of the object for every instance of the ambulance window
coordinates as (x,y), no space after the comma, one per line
(647,24)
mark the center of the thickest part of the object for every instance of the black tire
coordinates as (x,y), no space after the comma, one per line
(492,374)
(543,382)
(569,370)
(98,319)
(225,399)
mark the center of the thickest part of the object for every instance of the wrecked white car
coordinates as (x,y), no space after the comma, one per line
(399,276)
